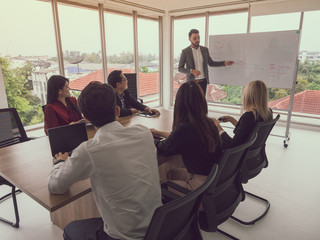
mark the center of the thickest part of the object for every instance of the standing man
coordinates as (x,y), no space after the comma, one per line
(121,163)
(197,58)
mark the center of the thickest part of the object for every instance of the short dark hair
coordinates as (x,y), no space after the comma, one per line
(97,103)
(114,78)
(55,83)
(192,31)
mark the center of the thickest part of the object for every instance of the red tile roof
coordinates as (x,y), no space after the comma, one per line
(148,82)
(307,101)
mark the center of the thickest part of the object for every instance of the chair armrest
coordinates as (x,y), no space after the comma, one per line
(175,187)
(168,196)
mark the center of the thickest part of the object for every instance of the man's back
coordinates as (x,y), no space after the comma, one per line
(123,170)
(125,180)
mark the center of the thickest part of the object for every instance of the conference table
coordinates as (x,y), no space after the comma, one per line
(27,165)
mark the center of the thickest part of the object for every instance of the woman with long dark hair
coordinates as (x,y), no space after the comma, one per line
(255,104)
(61,108)
(193,135)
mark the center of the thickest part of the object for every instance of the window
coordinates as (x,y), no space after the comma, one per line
(148,46)
(81,45)
(219,25)
(119,42)
(307,98)
(278,22)
(181,41)
(27,55)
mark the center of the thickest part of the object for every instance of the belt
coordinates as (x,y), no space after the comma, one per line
(200,80)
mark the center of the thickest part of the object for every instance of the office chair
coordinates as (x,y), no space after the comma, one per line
(255,160)
(225,194)
(43,108)
(132,85)
(178,219)
(11,132)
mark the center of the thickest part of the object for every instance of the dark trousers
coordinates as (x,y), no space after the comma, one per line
(88,229)
(203,85)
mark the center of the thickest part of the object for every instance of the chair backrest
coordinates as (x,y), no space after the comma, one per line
(256,158)
(225,194)
(178,219)
(132,84)
(43,108)
(11,128)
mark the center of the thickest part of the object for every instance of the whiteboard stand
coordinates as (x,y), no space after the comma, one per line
(293,91)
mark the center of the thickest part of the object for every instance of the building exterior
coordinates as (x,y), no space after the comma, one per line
(312,56)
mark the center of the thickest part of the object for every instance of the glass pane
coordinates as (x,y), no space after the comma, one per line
(181,41)
(148,45)
(226,24)
(277,22)
(119,42)
(80,37)
(27,55)
(307,98)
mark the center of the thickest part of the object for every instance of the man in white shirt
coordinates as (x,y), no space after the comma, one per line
(123,170)
(195,59)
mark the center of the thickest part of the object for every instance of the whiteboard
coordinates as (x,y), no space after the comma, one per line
(267,56)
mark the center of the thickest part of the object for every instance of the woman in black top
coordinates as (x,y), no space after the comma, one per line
(255,103)
(193,135)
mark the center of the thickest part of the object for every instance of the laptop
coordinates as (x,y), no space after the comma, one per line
(66,138)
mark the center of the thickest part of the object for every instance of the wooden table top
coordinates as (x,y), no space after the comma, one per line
(27,165)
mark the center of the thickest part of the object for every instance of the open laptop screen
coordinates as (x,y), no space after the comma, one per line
(66,138)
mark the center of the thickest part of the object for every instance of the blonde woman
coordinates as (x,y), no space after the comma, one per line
(255,103)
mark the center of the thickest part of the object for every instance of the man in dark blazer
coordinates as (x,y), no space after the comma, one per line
(195,59)
(128,104)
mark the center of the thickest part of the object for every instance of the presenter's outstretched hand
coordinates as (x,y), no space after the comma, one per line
(228,63)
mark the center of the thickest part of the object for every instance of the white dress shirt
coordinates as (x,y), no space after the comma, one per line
(123,170)
(198,61)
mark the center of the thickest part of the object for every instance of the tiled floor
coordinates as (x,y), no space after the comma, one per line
(291,183)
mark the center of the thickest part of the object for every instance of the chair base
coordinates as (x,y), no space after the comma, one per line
(252,222)
(227,234)
(13,194)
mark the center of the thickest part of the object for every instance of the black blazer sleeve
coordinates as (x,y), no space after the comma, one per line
(241,131)
(173,143)
(211,63)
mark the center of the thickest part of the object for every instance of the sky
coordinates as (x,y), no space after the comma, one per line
(28,29)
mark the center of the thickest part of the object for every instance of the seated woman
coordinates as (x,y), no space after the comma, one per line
(61,108)
(255,103)
(193,135)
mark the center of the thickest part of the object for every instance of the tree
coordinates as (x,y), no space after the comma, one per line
(233,94)
(143,69)
(301,85)
(18,92)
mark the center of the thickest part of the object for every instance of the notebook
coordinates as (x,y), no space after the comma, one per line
(66,138)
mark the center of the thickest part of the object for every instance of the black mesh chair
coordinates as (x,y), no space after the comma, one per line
(221,200)
(11,132)
(132,85)
(178,219)
(256,159)
(43,108)
(225,194)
